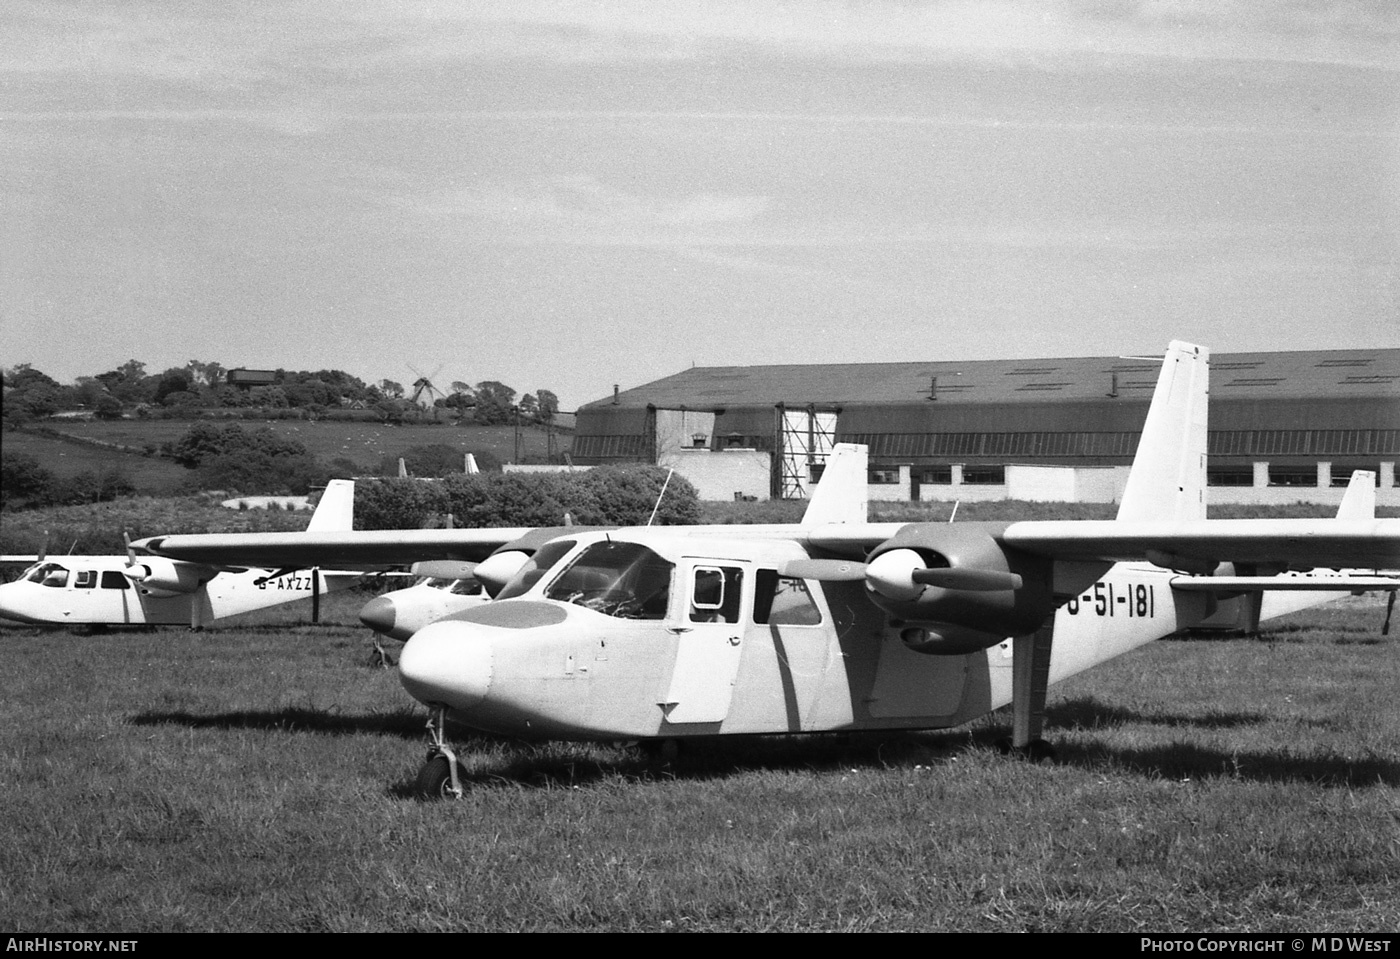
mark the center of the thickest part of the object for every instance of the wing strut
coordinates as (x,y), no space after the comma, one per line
(1030,676)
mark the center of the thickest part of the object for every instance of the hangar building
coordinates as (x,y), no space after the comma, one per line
(1284,427)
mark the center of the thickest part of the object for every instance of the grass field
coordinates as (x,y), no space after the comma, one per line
(258,777)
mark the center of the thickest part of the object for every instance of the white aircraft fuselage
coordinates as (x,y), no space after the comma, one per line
(96,591)
(767,654)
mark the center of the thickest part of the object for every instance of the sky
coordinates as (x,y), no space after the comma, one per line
(572,195)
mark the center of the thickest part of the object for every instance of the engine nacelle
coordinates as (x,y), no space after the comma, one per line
(158,576)
(954,620)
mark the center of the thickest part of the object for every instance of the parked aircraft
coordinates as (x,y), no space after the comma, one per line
(444,587)
(137,589)
(836,623)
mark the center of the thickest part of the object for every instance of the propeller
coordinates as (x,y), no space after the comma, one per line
(901,574)
(132,572)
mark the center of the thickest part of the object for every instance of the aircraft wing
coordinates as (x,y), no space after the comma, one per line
(1294,543)
(359,549)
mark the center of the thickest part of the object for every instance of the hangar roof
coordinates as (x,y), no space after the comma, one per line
(1247,376)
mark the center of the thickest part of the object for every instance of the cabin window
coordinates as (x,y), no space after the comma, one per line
(84,579)
(715,597)
(112,579)
(625,580)
(782,601)
(535,567)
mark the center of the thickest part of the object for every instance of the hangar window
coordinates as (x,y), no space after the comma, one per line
(1341,474)
(884,476)
(937,476)
(1292,475)
(984,475)
(1230,476)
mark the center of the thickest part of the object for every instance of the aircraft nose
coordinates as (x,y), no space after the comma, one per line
(379,614)
(445,663)
(11,606)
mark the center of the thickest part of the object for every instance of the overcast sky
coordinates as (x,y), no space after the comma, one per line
(568,195)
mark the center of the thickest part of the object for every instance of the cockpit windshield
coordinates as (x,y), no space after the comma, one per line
(535,567)
(48,574)
(625,580)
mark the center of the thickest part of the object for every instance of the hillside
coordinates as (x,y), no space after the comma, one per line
(67,447)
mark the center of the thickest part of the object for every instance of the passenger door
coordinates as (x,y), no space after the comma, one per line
(710,631)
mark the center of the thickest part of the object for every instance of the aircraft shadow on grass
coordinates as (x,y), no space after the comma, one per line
(548,765)
(292,719)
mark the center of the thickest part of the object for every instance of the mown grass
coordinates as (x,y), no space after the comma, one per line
(259,777)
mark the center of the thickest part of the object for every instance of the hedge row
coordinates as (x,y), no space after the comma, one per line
(604,496)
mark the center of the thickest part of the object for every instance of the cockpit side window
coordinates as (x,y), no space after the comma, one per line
(625,580)
(112,579)
(84,579)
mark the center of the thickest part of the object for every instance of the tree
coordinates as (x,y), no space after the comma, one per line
(22,478)
(495,402)
(549,405)
(172,381)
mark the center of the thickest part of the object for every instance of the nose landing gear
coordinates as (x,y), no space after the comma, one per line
(438,779)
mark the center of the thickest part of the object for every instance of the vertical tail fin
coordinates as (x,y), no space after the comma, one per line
(842,495)
(336,510)
(1168,477)
(1359,501)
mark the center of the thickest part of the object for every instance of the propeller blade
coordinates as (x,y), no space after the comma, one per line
(444,569)
(44,548)
(130,552)
(824,570)
(970,580)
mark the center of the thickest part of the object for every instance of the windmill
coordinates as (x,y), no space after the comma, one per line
(423,386)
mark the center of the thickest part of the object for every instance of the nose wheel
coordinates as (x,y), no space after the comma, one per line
(438,779)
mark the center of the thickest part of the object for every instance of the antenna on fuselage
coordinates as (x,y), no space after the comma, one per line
(662,495)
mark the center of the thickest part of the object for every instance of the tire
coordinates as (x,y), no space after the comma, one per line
(434,780)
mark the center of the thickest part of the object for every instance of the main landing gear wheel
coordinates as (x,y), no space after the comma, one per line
(661,751)
(434,779)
